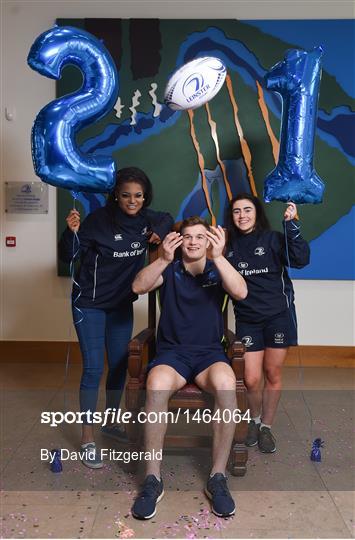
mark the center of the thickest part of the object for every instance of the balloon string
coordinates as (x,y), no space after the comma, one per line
(75,310)
(75,197)
(289,271)
(66,371)
(75,252)
(300,366)
(72,275)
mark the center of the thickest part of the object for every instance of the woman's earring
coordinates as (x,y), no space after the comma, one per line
(116,199)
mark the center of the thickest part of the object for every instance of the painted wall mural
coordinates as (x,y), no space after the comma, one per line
(198,160)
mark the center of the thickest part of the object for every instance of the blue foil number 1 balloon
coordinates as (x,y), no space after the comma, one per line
(297,80)
(56,157)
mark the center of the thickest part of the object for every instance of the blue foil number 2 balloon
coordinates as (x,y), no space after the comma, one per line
(297,80)
(57,159)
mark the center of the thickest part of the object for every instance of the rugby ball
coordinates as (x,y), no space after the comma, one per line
(195,83)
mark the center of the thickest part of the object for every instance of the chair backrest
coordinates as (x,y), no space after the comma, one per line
(154,252)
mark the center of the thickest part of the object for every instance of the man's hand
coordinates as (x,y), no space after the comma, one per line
(217,240)
(150,277)
(232,282)
(73,220)
(171,242)
(290,212)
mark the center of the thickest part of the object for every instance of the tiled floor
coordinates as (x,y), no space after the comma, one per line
(283,495)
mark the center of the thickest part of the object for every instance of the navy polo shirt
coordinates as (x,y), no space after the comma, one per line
(191,309)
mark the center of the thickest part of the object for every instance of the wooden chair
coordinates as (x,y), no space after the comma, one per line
(142,350)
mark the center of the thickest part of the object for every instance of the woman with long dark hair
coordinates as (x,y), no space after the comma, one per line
(112,242)
(266,320)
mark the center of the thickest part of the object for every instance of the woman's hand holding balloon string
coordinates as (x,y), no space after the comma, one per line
(290,212)
(73,220)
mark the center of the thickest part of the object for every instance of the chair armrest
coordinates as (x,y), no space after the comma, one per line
(236,352)
(141,339)
(141,349)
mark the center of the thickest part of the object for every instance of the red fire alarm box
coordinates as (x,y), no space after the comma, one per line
(11,241)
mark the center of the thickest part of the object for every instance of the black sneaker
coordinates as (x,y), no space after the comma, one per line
(144,506)
(266,441)
(222,501)
(253,434)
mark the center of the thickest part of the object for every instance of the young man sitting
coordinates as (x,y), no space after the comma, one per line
(189,348)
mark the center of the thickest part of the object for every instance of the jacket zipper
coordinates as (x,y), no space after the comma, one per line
(283,287)
(94,290)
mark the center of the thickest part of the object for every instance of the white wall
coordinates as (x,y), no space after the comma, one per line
(34,302)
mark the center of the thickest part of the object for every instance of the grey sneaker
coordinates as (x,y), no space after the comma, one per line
(253,434)
(91,456)
(266,441)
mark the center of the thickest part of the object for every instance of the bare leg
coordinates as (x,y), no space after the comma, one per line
(254,379)
(163,381)
(219,379)
(87,434)
(273,361)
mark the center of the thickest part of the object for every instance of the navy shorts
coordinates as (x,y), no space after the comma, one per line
(277,332)
(188,361)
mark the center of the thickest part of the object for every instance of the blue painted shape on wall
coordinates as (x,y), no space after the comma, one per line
(338,58)
(338,243)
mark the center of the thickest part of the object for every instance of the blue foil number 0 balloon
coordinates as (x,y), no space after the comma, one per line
(297,80)
(56,157)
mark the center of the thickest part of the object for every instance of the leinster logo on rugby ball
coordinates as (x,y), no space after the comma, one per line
(193,86)
(195,83)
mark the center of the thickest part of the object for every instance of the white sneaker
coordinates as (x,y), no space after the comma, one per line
(91,456)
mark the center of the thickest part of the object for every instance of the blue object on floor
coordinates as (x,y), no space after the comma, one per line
(56,465)
(316,453)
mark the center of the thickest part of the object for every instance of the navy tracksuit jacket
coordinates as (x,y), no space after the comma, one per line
(111,257)
(261,258)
